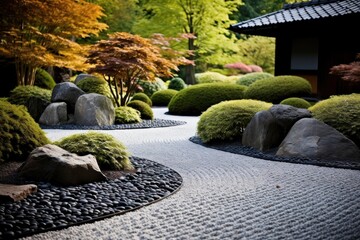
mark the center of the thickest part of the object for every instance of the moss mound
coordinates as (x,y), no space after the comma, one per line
(110,153)
(228,120)
(21,94)
(43,79)
(95,85)
(19,133)
(278,88)
(296,102)
(145,110)
(142,97)
(177,84)
(342,113)
(193,100)
(126,115)
(209,77)
(250,78)
(163,97)
(149,87)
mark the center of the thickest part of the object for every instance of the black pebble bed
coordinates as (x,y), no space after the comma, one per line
(237,148)
(53,207)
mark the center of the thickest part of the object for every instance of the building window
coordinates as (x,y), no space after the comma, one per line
(304,54)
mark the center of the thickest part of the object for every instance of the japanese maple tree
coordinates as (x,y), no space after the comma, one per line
(348,72)
(124,59)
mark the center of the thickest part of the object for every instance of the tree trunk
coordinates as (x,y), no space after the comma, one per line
(25,74)
(190,69)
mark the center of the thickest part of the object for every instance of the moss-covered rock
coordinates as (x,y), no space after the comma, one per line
(278,88)
(145,110)
(163,97)
(149,87)
(342,113)
(142,97)
(177,84)
(194,100)
(19,133)
(127,115)
(209,77)
(296,102)
(110,153)
(21,94)
(43,79)
(227,120)
(250,78)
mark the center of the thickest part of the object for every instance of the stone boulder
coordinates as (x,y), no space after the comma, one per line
(54,114)
(53,164)
(66,92)
(312,139)
(94,110)
(14,193)
(36,106)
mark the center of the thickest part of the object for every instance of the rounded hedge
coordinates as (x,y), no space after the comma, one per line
(227,120)
(296,102)
(43,79)
(250,78)
(19,133)
(163,97)
(177,84)
(149,87)
(194,100)
(21,94)
(110,153)
(278,88)
(342,113)
(209,77)
(95,85)
(125,114)
(145,110)
(142,97)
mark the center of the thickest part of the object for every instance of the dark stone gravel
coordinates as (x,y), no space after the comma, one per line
(237,148)
(53,207)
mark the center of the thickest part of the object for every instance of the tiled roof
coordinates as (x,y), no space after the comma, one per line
(312,10)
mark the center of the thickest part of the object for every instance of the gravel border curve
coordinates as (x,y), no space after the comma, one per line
(237,148)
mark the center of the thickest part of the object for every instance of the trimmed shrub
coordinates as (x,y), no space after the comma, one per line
(232,79)
(250,78)
(227,120)
(110,153)
(209,77)
(342,113)
(177,84)
(145,110)
(95,85)
(149,87)
(278,88)
(194,100)
(163,97)
(142,97)
(21,94)
(43,79)
(296,102)
(19,133)
(126,115)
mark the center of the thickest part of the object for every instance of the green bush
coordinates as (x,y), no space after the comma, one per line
(209,77)
(126,115)
(21,94)
(110,153)
(95,85)
(250,78)
(149,87)
(177,84)
(227,120)
(163,97)
(145,110)
(278,88)
(342,113)
(43,79)
(19,133)
(142,97)
(296,102)
(193,100)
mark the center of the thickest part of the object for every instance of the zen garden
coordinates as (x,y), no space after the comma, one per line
(186,119)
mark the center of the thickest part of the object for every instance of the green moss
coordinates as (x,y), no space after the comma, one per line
(145,110)
(194,100)
(110,153)
(163,97)
(250,78)
(127,115)
(149,87)
(142,97)
(19,133)
(296,102)
(228,120)
(177,84)
(21,94)
(209,77)
(44,80)
(278,88)
(342,113)
(95,85)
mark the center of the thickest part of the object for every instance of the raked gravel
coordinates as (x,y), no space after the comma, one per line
(228,196)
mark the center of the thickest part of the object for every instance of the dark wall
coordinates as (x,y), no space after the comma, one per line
(7,78)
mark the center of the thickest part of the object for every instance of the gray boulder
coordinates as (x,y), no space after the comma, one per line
(312,139)
(54,114)
(53,164)
(66,92)
(36,106)
(94,110)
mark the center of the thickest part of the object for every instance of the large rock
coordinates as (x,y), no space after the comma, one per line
(36,106)
(312,139)
(66,92)
(53,164)
(94,110)
(10,192)
(54,114)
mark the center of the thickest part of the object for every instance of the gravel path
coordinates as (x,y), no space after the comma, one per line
(228,196)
